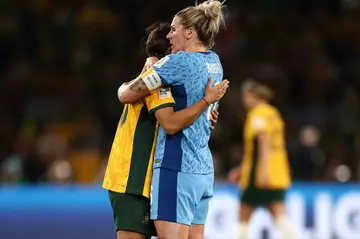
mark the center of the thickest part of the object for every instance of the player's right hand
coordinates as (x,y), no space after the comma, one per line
(215,93)
(214,118)
(150,61)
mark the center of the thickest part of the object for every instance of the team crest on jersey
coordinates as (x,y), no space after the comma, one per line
(164,93)
(162,61)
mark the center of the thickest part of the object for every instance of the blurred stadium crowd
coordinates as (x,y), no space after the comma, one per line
(61,62)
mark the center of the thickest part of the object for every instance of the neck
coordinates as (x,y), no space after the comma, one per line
(196,48)
(258,103)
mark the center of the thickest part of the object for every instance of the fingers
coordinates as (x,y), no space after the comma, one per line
(217,92)
(221,94)
(151,60)
(223,85)
(213,121)
(224,82)
(220,87)
(147,67)
(214,116)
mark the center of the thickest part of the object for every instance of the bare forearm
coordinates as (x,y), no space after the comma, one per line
(133,91)
(264,149)
(176,121)
(187,116)
(263,156)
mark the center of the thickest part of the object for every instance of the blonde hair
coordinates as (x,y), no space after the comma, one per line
(261,91)
(206,18)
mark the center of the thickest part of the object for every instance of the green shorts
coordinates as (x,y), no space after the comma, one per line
(132,213)
(261,197)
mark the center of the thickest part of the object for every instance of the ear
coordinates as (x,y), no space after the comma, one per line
(189,33)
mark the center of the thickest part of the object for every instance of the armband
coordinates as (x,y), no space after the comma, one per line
(152,79)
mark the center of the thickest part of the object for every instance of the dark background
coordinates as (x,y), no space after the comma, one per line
(62,61)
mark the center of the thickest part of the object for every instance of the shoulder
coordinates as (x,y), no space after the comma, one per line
(178,58)
(258,117)
(271,111)
(264,109)
(214,56)
(257,111)
(180,55)
(276,114)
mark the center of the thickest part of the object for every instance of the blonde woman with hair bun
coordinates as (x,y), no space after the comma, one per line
(183,172)
(198,26)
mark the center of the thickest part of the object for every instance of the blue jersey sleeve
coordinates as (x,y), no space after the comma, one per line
(172,69)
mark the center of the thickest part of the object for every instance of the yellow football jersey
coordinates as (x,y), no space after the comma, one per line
(265,119)
(129,169)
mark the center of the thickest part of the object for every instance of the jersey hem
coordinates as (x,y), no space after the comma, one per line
(128,191)
(161,106)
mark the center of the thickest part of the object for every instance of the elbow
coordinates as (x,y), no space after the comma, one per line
(169,129)
(125,98)
(121,94)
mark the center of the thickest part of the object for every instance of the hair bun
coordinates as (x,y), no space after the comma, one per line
(206,18)
(212,10)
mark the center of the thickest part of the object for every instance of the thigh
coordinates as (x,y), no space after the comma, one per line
(197,231)
(131,213)
(277,207)
(206,192)
(130,235)
(164,195)
(250,199)
(201,211)
(164,205)
(171,230)
(175,196)
(245,212)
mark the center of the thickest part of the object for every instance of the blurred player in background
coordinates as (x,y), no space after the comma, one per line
(183,176)
(264,174)
(129,170)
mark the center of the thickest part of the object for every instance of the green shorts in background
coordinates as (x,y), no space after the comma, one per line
(261,197)
(132,213)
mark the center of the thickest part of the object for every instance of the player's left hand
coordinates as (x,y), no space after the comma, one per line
(214,118)
(234,175)
(215,93)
